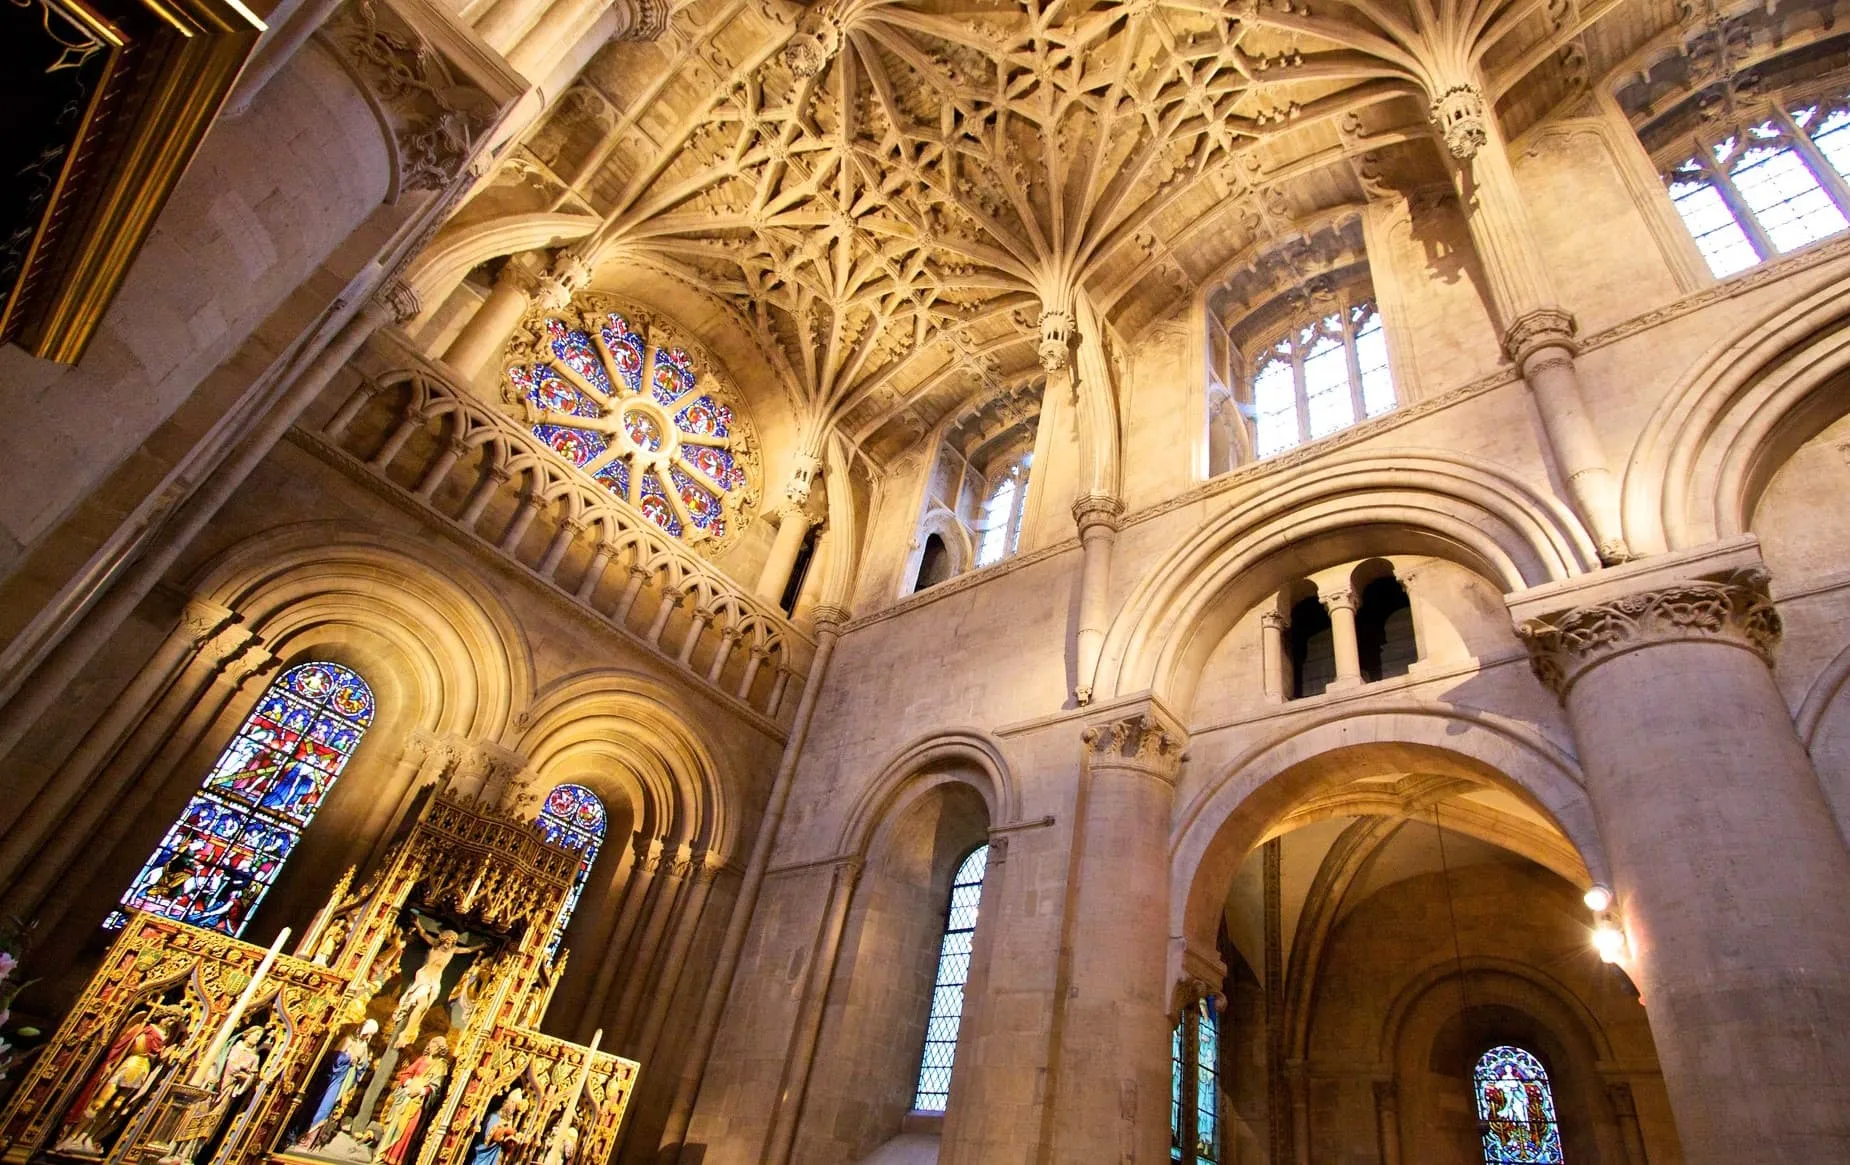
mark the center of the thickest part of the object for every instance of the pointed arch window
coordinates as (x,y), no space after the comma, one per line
(1002,513)
(1194,1086)
(947,996)
(1516,1109)
(223,854)
(572,816)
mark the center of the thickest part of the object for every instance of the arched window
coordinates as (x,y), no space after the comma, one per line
(1194,1086)
(573,817)
(1002,513)
(1313,648)
(1516,1109)
(641,416)
(1322,374)
(1384,630)
(947,995)
(934,563)
(223,854)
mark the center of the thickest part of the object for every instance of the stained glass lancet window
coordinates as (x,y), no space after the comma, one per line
(1516,1109)
(947,996)
(572,816)
(1194,1086)
(640,415)
(223,854)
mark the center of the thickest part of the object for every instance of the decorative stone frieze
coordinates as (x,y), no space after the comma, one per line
(1545,327)
(1458,115)
(1139,743)
(1736,608)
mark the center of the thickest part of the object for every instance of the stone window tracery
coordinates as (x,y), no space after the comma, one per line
(947,996)
(976,496)
(639,409)
(223,854)
(572,816)
(1516,1109)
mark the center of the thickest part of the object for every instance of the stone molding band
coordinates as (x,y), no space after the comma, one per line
(1735,609)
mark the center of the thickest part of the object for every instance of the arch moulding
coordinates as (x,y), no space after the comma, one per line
(962,756)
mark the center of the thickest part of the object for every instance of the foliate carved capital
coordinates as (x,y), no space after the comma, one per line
(648,20)
(1343,600)
(1736,608)
(1059,330)
(252,661)
(1097,510)
(225,644)
(202,619)
(1274,621)
(1545,327)
(1458,115)
(802,478)
(1140,743)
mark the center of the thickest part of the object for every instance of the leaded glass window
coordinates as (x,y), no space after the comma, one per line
(1516,1109)
(947,995)
(1002,514)
(223,854)
(1765,185)
(1194,1086)
(1322,375)
(573,817)
(642,416)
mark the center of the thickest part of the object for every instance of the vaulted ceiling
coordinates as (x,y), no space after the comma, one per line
(886,194)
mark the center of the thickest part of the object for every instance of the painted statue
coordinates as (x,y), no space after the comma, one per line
(500,1133)
(332,939)
(415,1095)
(427,982)
(348,1069)
(466,994)
(236,1074)
(121,1084)
(562,1146)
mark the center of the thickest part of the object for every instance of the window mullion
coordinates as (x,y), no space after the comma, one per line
(1724,186)
(1301,388)
(1355,366)
(1820,166)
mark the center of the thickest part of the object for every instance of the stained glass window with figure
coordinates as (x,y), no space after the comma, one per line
(1194,1086)
(223,854)
(1516,1109)
(572,816)
(947,996)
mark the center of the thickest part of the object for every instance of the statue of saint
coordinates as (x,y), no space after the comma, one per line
(231,1082)
(500,1134)
(466,994)
(415,1095)
(332,939)
(351,1061)
(121,1084)
(427,981)
(562,1146)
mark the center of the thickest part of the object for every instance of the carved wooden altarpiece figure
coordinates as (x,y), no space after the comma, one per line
(402,1031)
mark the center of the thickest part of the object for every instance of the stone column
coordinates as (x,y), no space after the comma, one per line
(692,909)
(1272,628)
(810,1009)
(646,864)
(1625,1110)
(1387,1122)
(1341,607)
(792,526)
(1097,518)
(524,279)
(1538,331)
(1111,1063)
(1731,879)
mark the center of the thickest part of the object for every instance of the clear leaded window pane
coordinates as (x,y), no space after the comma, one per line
(1831,134)
(1371,356)
(996,537)
(223,854)
(1516,1109)
(947,996)
(1326,384)
(1705,213)
(1275,406)
(1306,383)
(1782,192)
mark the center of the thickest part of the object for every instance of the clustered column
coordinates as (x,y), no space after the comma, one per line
(1727,864)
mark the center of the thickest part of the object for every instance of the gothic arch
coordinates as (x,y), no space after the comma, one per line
(424,630)
(1703,459)
(1449,505)
(1234,809)
(651,756)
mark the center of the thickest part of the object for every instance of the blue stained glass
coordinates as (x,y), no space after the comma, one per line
(223,853)
(702,476)
(573,817)
(947,997)
(1516,1109)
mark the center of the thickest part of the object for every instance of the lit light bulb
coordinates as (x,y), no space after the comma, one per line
(1609,941)
(1598,898)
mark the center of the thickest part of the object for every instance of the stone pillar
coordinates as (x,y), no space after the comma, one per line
(692,909)
(1097,518)
(1387,1122)
(1625,1111)
(1272,628)
(1111,1063)
(792,526)
(647,863)
(523,280)
(810,1009)
(1539,333)
(1732,881)
(1341,607)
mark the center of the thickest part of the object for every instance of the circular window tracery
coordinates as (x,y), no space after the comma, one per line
(619,395)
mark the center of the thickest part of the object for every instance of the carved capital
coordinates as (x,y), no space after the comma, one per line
(1343,600)
(1458,115)
(829,615)
(202,619)
(253,661)
(1545,327)
(398,300)
(1097,510)
(1059,331)
(1623,1104)
(226,643)
(1736,608)
(1137,743)
(1274,621)
(648,20)
(802,479)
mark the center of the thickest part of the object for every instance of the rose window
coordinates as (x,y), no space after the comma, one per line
(640,414)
